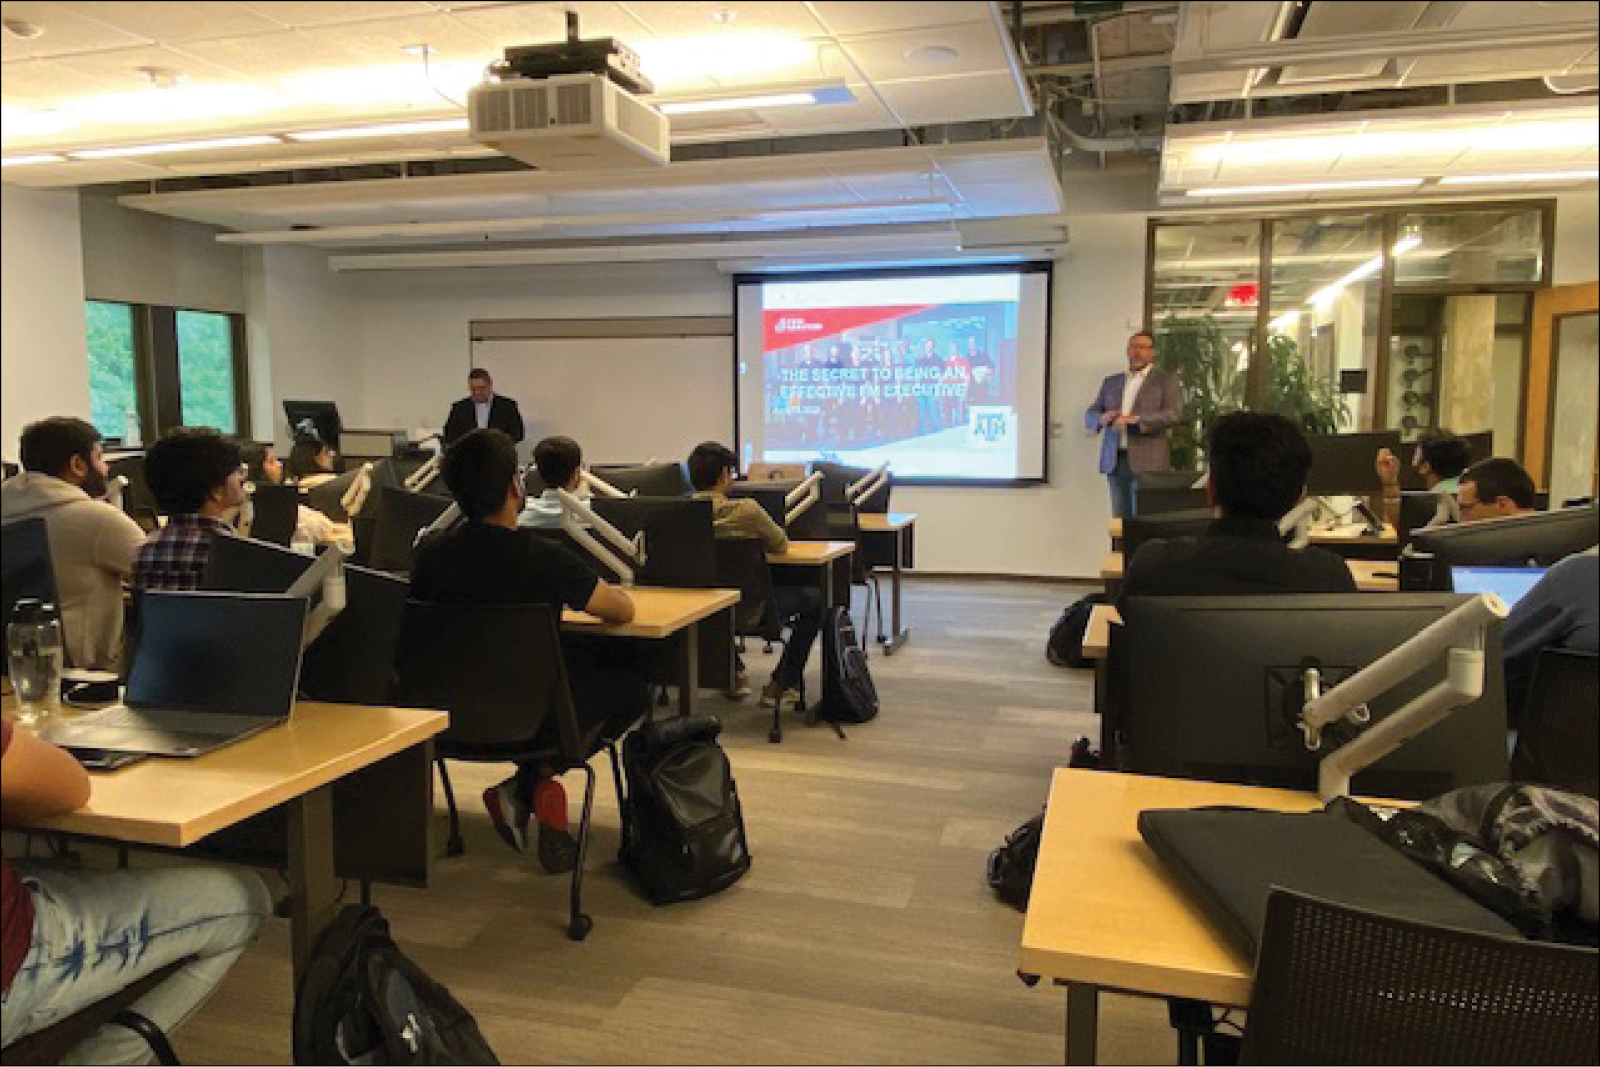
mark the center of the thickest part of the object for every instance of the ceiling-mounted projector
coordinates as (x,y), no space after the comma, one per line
(570,105)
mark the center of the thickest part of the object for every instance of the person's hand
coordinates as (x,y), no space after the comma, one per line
(1109,417)
(1127,420)
(1388,467)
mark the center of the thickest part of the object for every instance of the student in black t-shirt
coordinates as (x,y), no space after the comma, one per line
(1258,468)
(487,560)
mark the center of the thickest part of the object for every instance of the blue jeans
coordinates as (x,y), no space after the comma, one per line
(1124,489)
(95,932)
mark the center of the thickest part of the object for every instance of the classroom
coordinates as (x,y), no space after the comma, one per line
(931,239)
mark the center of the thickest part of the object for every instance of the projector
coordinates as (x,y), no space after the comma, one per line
(570,105)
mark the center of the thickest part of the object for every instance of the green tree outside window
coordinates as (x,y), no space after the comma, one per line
(113,377)
(205,370)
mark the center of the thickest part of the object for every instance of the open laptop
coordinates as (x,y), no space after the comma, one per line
(209,669)
(1511,584)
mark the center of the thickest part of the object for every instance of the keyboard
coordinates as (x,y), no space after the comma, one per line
(170,721)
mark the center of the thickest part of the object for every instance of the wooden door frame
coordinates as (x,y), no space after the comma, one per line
(1549,306)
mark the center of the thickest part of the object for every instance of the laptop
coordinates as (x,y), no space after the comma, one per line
(1228,859)
(1511,584)
(209,669)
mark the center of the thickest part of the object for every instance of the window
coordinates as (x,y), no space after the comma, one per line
(152,368)
(113,369)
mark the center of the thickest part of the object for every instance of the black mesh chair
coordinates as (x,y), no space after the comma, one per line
(1558,740)
(498,671)
(742,565)
(51,1044)
(1335,984)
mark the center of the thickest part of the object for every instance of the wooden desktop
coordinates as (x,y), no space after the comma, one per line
(695,625)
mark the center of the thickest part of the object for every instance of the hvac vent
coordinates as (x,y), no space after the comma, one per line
(568,122)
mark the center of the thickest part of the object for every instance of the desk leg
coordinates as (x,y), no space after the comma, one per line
(688,668)
(1083,1023)
(898,635)
(313,886)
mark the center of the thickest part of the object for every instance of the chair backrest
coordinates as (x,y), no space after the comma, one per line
(353,660)
(397,519)
(1558,742)
(742,565)
(277,513)
(25,569)
(1336,984)
(497,669)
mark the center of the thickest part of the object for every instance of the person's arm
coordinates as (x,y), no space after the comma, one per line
(38,780)
(514,425)
(458,422)
(116,543)
(1096,416)
(1387,464)
(610,603)
(773,537)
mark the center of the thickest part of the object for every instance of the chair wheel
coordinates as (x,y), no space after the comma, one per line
(580,926)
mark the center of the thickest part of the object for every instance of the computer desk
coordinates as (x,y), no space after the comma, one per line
(1104,913)
(338,792)
(826,563)
(1371,575)
(894,530)
(667,615)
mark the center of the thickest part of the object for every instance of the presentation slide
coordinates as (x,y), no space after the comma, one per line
(939,373)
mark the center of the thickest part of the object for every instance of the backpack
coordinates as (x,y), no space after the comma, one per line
(362,1000)
(1011,865)
(1065,646)
(848,694)
(683,829)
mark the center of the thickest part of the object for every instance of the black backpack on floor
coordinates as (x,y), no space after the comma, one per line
(1011,865)
(1065,646)
(848,694)
(362,1000)
(683,829)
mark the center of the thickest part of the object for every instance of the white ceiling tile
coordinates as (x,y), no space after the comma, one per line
(845,18)
(176,21)
(887,56)
(40,83)
(330,12)
(697,19)
(65,31)
(521,24)
(964,98)
(119,68)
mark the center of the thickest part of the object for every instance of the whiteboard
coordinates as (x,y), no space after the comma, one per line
(623,399)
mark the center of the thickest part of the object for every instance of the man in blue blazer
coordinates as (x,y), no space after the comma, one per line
(1133,414)
(482,410)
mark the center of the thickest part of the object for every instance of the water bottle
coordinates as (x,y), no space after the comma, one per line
(33,642)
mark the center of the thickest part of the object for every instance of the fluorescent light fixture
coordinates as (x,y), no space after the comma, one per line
(392,129)
(1372,266)
(24,161)
(1433,140)
(215,144)
(685,62)
(1302,187)
(1548,176)
(737,103)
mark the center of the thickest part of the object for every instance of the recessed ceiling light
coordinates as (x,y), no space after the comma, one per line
(1548,176)
(723,15)
(392,129)
(934,55)
(1302,187)
(22,28)
(418,49)
(177,146)
(160,77)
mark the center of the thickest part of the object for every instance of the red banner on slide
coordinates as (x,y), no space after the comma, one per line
(796,326)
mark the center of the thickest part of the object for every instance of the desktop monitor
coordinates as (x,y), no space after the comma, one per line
(352,660)
(654,479)
(771,495)
(1137,529)
(328,497)
(1210,688)
(137,500)
(1420,508)
(680,549)
(321,416)
(1538,540)
(1342,464)
(25,569)
(398,517)
(250,565)
(277,513)
(1162,500)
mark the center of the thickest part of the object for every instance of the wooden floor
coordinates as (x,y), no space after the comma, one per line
(864,932)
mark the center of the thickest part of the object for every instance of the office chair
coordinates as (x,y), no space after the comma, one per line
(499,672)
(1558,739)
(1335,984)
(742,565)
(52,1044)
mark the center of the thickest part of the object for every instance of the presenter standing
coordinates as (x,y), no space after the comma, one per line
(1133,414)
(482,410)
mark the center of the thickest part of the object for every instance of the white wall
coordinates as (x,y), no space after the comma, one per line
(44,366)
(1577,255)
(139,258)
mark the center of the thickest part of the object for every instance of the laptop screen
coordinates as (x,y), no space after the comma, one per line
(1510,584)
(230,653)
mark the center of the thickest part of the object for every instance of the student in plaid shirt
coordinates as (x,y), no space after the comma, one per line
(197,477)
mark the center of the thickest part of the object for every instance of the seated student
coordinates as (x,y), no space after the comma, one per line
(1440,457)
(487,560)
(712,468)
(197,478)
(559,462)
(1495,489)
(73,937)
(310,462)
(1561,611)
(92,543)
(263,467)
(1258,473)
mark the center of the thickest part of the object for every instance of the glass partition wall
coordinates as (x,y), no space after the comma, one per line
(1352,320)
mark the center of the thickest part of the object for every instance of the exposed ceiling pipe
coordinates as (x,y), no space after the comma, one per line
(1132,142)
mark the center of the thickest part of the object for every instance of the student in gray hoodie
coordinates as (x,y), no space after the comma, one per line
(92,543)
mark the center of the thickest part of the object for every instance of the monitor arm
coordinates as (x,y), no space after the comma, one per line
(424,475)
(802,497)
(1296,525)
(1460,635)
(447,518)
(323,585)
(115,486)
(355,497)
(858,492)
(575,514)
(600,487)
